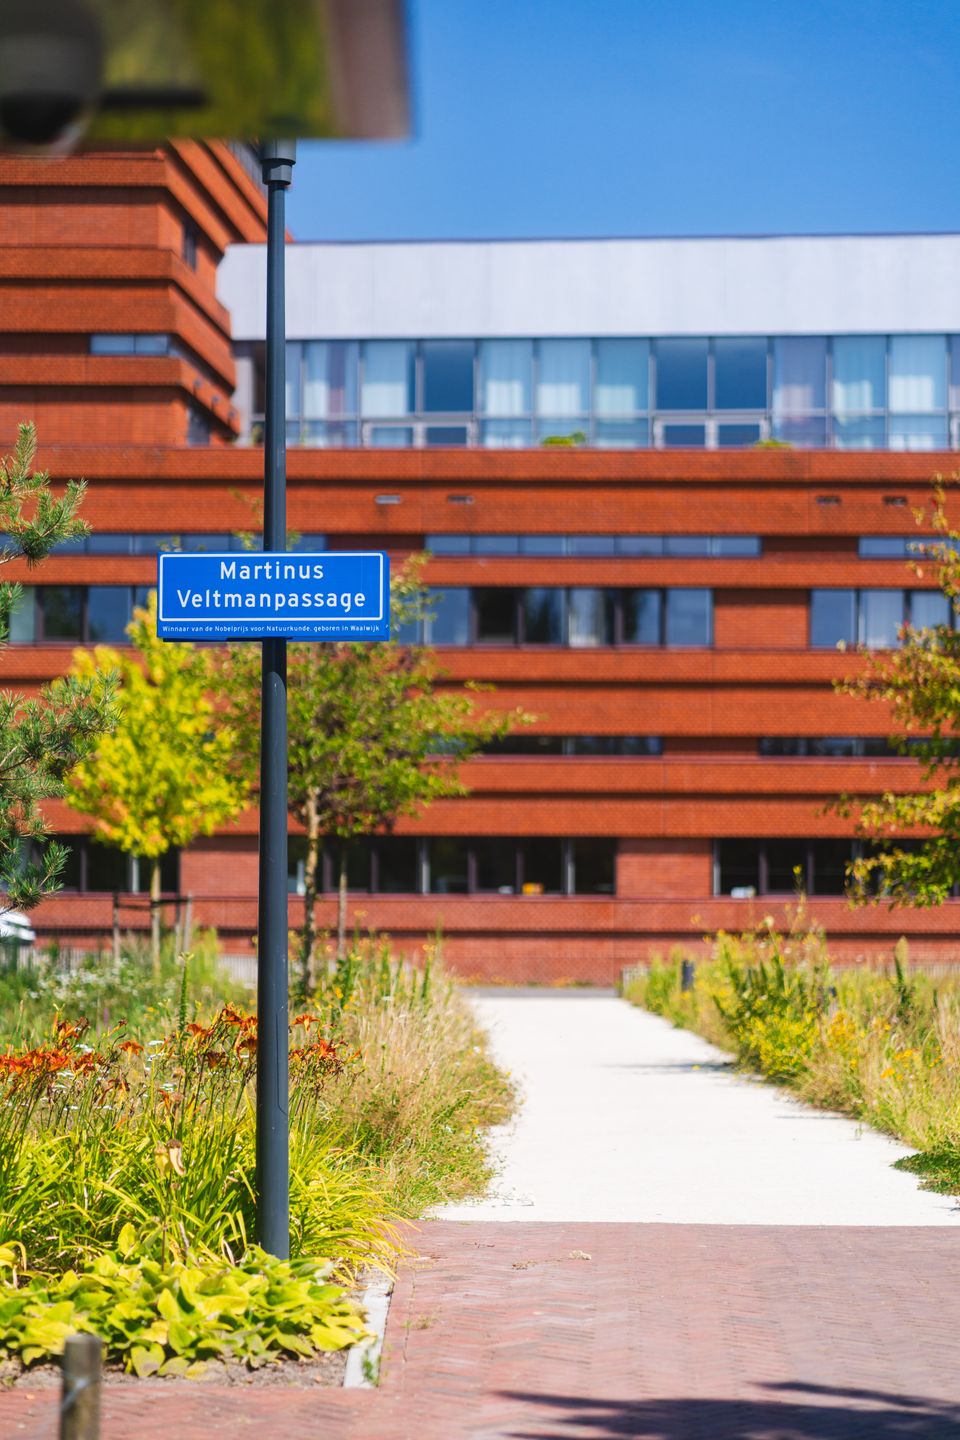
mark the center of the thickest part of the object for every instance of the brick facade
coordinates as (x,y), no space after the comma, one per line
(94,244)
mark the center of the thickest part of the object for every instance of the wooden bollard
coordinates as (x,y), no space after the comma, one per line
(80,1396)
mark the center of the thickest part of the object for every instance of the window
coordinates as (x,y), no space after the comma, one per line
(506,368)
(130,345)
(95,868)
(198,426)
(449,623)
(743,868)
(542,867)
(918,374)
(495,545)
(642,610)
(543,616)
(563,378)
(496,867)
(799,374)
(590,617)
(829,747)
(447,375)
(622,379)
(872,618)
(449,866)
(683,437)
(918,432)
(681,369)
(689,617)
(594,867)
(74,614)
(740,376)
(329,375)
(496,616)
(884,547)
(388,376)
(189,244)
(859,378)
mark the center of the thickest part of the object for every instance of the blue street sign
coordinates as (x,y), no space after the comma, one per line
(255,595)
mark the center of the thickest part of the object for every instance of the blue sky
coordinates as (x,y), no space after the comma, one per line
(629,117)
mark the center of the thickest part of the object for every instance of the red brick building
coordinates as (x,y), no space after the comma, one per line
(669,614)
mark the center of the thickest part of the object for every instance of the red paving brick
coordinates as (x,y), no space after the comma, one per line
(664,1333)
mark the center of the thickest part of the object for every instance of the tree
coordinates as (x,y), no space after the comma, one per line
(914,854)
(372,738)
(43,737)
(168,772)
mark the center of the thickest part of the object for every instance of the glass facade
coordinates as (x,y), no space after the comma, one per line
(899,392)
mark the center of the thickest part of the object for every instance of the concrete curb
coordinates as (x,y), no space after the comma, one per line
(363,1360)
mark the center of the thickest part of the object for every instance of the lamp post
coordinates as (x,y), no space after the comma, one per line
(277,158)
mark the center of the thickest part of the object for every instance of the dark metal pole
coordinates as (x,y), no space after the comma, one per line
(273,1141)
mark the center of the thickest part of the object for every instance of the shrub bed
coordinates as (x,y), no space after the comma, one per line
(123,1150)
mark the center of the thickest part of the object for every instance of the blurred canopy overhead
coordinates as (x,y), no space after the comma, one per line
(244,69)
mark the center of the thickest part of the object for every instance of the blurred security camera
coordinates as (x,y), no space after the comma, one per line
(51,73)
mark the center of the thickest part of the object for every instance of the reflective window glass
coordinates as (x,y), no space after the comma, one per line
(589,617)
(496,610)
(918,432)
(496,545)
(153,344)
(437,435)
(684,437)
(859,434)
(390,437)
(881,616)
(830,860)
(543,616)
(107,869)
(639,544)
(955,372)
(329,379)
(586,545)
(594,866)
(730,546)
(62,607)
(542,866)
(689,617)
(398,871)
(71,874)
(740,373)
(833,618)
(496,865)
(621,434)
(686,545)
(108,613)
(506,370)
(449,624)
(882,547)
(563,377)
(622,377)
(447,544)
(859,373)
(918,373)
(447,375)
(799,374)
(112,345)
(641,617)
(732,437)
(505,434)
(105,543)
(738,867)
(449,865)
(543,544)
(681,367)
(929,608)
(388,370)
(23,618)
(292,378)
(804,434)
(786,866)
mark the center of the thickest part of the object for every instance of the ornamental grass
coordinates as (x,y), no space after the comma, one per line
(882,1046)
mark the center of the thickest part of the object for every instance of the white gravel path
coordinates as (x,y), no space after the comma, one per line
(624,1118)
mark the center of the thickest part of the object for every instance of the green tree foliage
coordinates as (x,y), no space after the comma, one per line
(43,737)
(914,854)
(167,773)
(372,735)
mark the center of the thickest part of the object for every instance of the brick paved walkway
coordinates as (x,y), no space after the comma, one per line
(667,1332)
